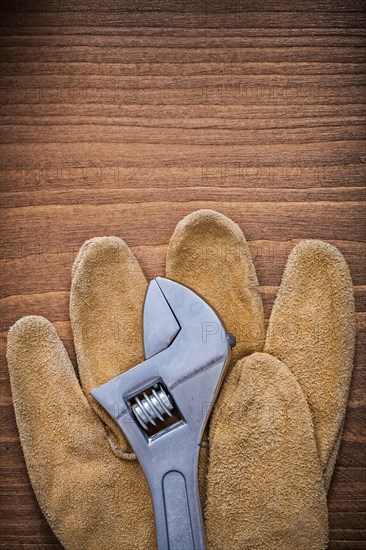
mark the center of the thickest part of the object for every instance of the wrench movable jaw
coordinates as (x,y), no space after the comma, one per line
(160,326)
(183,378)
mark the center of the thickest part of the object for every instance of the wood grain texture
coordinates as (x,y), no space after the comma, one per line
(121,117)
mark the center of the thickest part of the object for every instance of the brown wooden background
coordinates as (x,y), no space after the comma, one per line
(121,117)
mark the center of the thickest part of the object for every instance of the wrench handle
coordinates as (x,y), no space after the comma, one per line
(178,516)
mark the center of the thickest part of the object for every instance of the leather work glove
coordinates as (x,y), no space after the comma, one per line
(277,425)
(275,429)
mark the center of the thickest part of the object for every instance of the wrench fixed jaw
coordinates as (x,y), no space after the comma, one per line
(189,372)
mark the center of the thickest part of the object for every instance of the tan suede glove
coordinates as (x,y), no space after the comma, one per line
(269,451)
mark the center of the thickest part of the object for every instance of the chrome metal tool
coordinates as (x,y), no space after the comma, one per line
(162,405)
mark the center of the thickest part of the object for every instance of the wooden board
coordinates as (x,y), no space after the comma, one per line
(121,117)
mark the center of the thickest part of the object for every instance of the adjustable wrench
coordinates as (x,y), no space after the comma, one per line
(162,405)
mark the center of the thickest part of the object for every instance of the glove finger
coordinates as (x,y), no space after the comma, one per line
(208,253)
(264,487)
(312,330)
(107,295)
(78,482)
